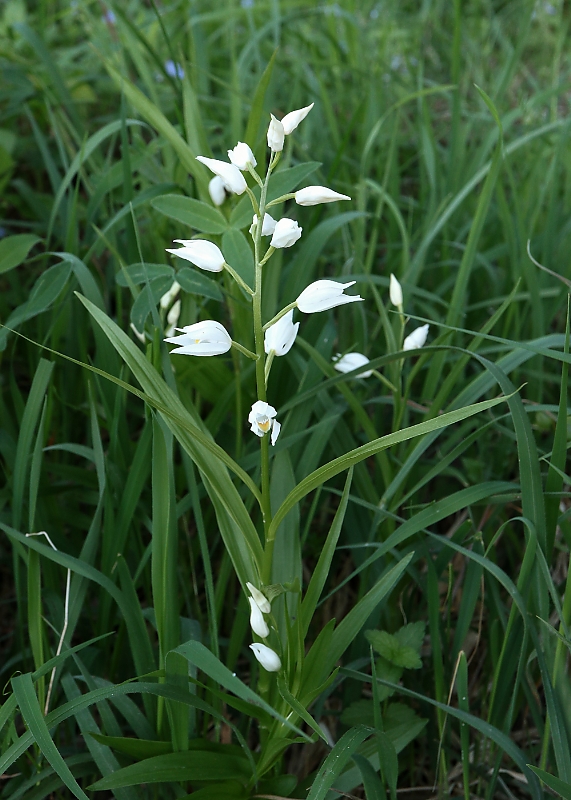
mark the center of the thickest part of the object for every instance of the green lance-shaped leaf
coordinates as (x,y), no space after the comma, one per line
(34,719)
(15,249)
(561,787)
(342,463)
(336,760)
(245,548)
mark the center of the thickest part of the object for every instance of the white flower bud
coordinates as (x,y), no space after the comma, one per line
(351,361)
(201,253)
(312,195)
(275,135)
(286,233)
(292,120)
(269,660)
(172,318)
(322,295)
(169,296)
(217,190)
(268,225)
(242,157)
(230,174)
(280,336)
(261,600)
(257,621)
(416,339)
(395,292)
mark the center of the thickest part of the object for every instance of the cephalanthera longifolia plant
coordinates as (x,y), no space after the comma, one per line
(291,663)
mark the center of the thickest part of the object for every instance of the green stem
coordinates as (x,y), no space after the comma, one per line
(244,350)
(269,362)
(261,360)
(238,279)
(281,199)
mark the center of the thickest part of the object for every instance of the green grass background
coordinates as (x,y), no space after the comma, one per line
(451,187)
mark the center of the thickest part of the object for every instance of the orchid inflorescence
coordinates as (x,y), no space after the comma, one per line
(276,337)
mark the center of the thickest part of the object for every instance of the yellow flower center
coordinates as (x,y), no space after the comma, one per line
(264,424)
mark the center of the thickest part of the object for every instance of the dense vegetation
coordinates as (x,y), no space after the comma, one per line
(439,545)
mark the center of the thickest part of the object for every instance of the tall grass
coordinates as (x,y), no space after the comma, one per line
(125,656)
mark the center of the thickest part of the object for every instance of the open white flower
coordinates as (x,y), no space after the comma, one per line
(242,157)
(286,233)
(322,295)
(208,338)
(217,190)
(201,253)
(276,135)
(269,659)
(268,225)
(351,361)
(230,174)
(395,292)
(257,621)
(312,195)
(260,598)
(261,418)
(281,335)
(292,120)
(416,339)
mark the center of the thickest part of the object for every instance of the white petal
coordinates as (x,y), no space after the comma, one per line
(416,339)
(286,233)
(292,120)
(351,361)
(200,252)
(395,292)
(312,195)
(323,295)
(269,660)
(230,174)
(280,336)
(276,428)
(275,135)
(261,600)
(257,621)
(217,190)
(242,157)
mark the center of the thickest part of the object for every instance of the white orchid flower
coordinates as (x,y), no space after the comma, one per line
(269,659)
(312,195)
(276,135)
(169,296)
(201,253)
(208,338)
(260,598)
(281,335)
(395,292)
(323,295)
(261,419)
(351,361)
(416,339)
(217,190)
(286,233)
(230,174)
(292,120)
(268,225)
(242,157)
(257,621)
